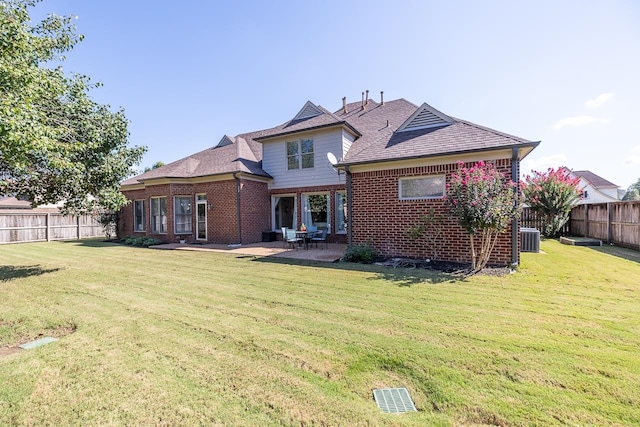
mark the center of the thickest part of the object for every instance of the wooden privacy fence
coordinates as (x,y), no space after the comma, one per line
(529,218)
(617,222)
(38,227)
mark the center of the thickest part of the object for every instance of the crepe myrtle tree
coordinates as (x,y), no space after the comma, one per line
(552,194)
(484,202)
(56,143)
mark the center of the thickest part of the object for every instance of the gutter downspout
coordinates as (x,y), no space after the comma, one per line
(235,176)
(515,166)
(349,208)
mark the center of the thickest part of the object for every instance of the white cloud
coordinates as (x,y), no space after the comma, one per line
(633,157)
(578,121)
(543,163)
(599,100)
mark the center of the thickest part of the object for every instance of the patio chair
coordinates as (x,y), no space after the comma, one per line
(291,238)
(321,236)
(284,237)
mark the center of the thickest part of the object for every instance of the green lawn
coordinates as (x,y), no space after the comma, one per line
(152,337)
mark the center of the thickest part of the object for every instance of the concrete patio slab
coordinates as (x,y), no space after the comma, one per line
(332,253)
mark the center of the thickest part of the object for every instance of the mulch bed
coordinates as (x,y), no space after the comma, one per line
(455,268)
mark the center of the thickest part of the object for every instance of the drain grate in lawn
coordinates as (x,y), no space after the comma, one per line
(38,343)
(394,400)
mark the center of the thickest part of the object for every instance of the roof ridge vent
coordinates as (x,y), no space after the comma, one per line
(425,117)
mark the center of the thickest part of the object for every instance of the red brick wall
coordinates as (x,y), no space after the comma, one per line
(255,207)
(380,217)
(222,225)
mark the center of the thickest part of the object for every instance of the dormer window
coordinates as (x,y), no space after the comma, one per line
(300,154)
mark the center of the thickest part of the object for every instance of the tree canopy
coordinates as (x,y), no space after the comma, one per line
(56,143)
(633,192)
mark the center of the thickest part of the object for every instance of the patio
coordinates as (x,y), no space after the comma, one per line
(332,253)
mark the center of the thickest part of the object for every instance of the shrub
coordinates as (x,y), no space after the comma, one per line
(484,203)
(141,242)
(552,194)
(362,253)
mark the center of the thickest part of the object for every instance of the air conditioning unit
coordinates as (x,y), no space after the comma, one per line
(529,239)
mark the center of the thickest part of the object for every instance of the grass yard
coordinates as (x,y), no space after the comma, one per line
(152,337)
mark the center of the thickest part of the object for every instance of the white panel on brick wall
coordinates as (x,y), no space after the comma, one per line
(274,161)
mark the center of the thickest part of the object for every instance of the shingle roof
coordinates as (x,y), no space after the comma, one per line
(595,180)
(243,155)
(325,119)
(381,142)
(378,140)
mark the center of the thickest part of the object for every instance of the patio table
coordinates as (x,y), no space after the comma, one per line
(305,236)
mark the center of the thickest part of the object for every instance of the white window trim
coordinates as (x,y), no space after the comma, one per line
(319,193)
(144,219)
(273,210)
(151,214)
(407,178)
(181,233)
(206,215)
(335,203)
(299,142)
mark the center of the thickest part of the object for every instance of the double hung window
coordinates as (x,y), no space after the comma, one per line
(300,154)
(182,213)
(158,215)
(138,215)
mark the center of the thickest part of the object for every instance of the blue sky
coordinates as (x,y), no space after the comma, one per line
(566,73)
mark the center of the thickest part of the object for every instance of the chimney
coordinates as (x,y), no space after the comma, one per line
(363,100)
(381,97)
(366,101)
(344,104)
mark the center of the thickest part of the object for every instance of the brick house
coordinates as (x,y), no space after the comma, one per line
(366,173)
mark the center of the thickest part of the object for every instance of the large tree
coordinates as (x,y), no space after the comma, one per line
(633,192)
(56,144)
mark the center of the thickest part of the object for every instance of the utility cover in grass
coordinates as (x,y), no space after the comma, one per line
(394,400)
(38,343)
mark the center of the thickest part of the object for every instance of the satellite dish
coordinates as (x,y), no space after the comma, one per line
(332,159)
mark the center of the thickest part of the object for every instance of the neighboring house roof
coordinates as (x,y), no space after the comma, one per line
(14,203)
(595,180)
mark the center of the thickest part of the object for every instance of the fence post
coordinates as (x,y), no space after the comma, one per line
(48,230)
(586,220)
(78,227)
(609,222)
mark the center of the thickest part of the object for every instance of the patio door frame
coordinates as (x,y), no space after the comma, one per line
(201,203)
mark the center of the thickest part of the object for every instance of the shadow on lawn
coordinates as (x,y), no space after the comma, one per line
(403,277)
(10,272)
(628,254)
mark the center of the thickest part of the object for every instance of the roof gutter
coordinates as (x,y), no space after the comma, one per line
(531,145)
(278,135)
(515,177)
(349,207)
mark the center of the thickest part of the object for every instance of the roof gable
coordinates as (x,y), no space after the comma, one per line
(309,110)
(226,140)
(425,117)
